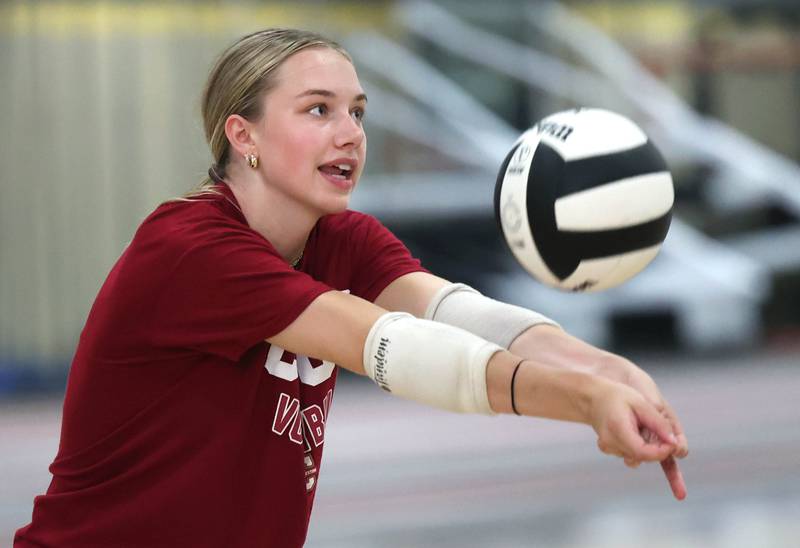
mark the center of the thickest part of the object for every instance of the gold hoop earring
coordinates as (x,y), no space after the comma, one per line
(252,159)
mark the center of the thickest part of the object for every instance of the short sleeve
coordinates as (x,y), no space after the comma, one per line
(380,258)
(228,290)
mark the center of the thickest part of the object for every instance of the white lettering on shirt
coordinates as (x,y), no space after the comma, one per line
(312,372)
(306,426)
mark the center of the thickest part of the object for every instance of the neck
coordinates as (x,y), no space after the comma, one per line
(280,220)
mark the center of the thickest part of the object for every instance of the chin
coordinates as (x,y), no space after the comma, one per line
(334,205)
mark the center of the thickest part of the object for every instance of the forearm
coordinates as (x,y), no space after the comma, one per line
(559,349)
(556,347)
(540,390)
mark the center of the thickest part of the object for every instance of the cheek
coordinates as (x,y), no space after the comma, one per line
(303,146)
(289,154)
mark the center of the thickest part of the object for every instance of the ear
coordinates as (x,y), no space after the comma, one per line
(238,131)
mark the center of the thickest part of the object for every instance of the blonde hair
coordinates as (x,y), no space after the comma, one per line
(240,78)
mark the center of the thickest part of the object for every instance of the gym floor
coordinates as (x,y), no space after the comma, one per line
(397,474)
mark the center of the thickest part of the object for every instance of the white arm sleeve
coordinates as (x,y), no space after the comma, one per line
(462,306)
(429,362)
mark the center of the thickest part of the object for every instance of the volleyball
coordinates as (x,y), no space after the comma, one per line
(584,200)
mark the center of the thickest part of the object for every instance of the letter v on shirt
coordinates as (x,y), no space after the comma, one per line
(289,419)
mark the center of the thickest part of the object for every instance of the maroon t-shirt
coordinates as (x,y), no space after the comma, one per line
(181,426)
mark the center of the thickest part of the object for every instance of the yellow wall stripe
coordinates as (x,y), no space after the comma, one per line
(654,20)
(105,19)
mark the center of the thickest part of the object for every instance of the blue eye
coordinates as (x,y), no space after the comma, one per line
(358,114)
(318,110)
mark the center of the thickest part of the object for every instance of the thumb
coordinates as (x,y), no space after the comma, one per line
(656,423)
(656,440)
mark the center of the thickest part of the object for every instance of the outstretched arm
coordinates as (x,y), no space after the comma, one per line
(554,347)
(448,367)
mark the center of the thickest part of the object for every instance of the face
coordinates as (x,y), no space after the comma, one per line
(310,140)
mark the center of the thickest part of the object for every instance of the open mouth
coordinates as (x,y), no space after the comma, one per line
(342,172)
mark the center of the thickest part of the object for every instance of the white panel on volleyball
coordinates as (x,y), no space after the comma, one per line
(611,270)
(619,204)
(626,134)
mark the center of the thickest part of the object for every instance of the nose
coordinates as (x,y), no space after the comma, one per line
(349,133)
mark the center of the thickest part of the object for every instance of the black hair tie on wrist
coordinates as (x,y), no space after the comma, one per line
(514,378)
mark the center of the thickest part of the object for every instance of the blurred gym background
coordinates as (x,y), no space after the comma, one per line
(100,118)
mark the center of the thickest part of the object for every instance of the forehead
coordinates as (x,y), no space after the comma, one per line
(318,68)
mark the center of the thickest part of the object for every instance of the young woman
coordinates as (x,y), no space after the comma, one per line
(197,399)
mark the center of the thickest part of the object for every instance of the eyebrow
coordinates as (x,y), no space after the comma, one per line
(328,93)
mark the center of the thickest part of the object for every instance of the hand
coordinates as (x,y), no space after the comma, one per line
(621,370)
(556,347)
(623,419)
(631,375)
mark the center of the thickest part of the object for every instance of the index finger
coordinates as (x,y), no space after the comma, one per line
(674,477)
